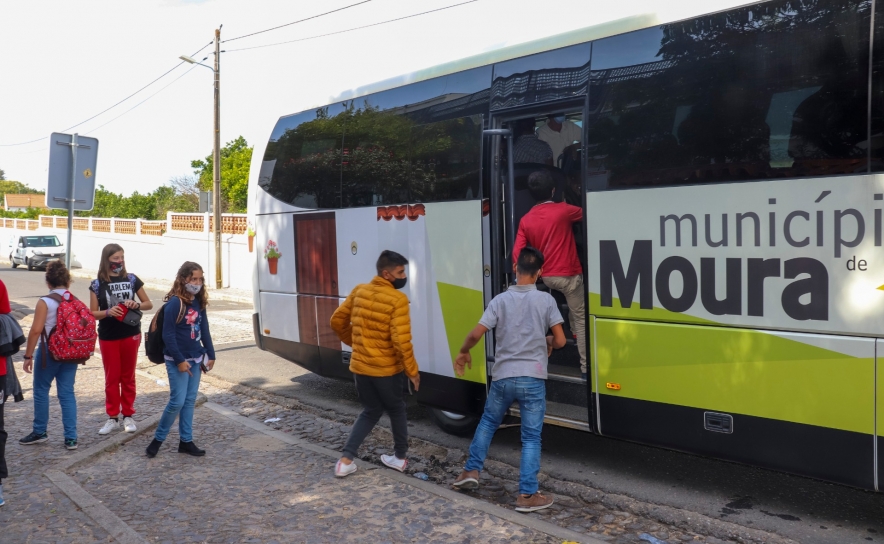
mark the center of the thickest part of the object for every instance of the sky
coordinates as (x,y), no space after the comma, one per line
(64,62)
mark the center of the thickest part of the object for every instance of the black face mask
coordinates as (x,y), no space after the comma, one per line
(399,283)
(116,268)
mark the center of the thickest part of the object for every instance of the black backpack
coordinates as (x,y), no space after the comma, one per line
(153,338)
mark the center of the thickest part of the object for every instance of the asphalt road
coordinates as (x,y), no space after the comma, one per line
(806,510)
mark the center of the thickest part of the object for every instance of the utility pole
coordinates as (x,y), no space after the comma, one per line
(216,161)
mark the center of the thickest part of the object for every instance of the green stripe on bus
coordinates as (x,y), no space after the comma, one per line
(461,310)
(634,312)
(736,371)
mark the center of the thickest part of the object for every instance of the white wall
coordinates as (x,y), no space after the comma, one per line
(156,258)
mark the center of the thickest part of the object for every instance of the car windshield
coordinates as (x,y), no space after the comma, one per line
(42,241)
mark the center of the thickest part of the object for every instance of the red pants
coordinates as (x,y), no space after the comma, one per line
(119,358)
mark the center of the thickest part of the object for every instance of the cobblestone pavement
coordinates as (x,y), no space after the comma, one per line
(499,482)
(36,511)
(254,488)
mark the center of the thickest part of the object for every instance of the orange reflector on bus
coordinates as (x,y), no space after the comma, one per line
(614,386)
(266,331)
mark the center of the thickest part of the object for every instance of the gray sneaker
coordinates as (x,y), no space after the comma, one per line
(33,438)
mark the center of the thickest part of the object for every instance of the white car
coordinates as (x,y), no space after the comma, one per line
(36,251)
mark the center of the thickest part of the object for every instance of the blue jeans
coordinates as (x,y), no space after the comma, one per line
(64,374)
(182,398)
(530,393)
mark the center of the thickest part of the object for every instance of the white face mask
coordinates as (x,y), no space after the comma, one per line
(193,289)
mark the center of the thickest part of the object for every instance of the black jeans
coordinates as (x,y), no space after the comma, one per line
(379,395)
(3,435)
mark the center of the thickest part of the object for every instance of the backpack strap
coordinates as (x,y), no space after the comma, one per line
(45,337)
(180,310)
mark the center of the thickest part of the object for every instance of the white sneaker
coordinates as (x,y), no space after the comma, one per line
(129,425)
(342,470)
(109,426)
(394,462)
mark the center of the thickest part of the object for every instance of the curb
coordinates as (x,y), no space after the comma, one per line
(447,494)
(92,507)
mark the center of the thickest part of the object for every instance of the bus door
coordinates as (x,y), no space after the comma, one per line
(524,143)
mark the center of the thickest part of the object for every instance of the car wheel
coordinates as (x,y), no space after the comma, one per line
(452,423)
(12,261)
(28,262)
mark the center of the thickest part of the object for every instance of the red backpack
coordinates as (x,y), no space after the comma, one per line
(72,339)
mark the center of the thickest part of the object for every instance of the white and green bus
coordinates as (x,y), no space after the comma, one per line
(731,171)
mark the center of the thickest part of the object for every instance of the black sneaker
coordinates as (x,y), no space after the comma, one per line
(190,449)
(70,443)
(33,438)
(153,448)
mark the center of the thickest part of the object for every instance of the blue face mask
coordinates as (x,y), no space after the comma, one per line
(559,119)
(193,289)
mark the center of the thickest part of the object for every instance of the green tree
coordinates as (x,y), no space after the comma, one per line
(236,157)
(2,175)
(15,187)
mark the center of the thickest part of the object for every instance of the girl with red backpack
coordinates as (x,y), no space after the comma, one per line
(76,328)
(119,340)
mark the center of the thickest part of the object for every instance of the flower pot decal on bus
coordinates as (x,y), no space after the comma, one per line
(272,254)
(250,232)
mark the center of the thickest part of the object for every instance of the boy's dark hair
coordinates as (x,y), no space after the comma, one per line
(390,260)
(530,261)
(57,275)
(541,185)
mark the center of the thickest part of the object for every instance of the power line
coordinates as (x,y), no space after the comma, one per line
(351,29)
(143,101)
(115,105)
(296,22)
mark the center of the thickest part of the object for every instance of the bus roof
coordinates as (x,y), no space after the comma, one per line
(594,32)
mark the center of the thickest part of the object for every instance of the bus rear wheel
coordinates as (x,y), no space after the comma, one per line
(451,423)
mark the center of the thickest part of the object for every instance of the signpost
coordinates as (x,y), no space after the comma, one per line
(71,186)
(206,202)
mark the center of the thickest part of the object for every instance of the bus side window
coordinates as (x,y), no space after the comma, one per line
(375,158)
(307,151)
(446,160)
(666,108)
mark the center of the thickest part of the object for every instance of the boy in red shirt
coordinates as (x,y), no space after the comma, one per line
(549,228)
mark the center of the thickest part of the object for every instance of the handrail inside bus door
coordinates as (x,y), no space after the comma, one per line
(508,196)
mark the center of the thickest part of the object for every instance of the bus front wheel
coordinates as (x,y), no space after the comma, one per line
(452,423)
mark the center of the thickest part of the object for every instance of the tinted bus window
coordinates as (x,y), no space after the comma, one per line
(364,152)
(877,103)
(777,89)
(446,160)
(375,160)
(307,152)
(551,75)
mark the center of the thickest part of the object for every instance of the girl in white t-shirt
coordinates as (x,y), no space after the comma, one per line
(58,279)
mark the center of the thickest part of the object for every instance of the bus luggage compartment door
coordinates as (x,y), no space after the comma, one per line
(801,403)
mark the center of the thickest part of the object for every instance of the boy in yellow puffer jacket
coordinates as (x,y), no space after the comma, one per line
(374,321)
